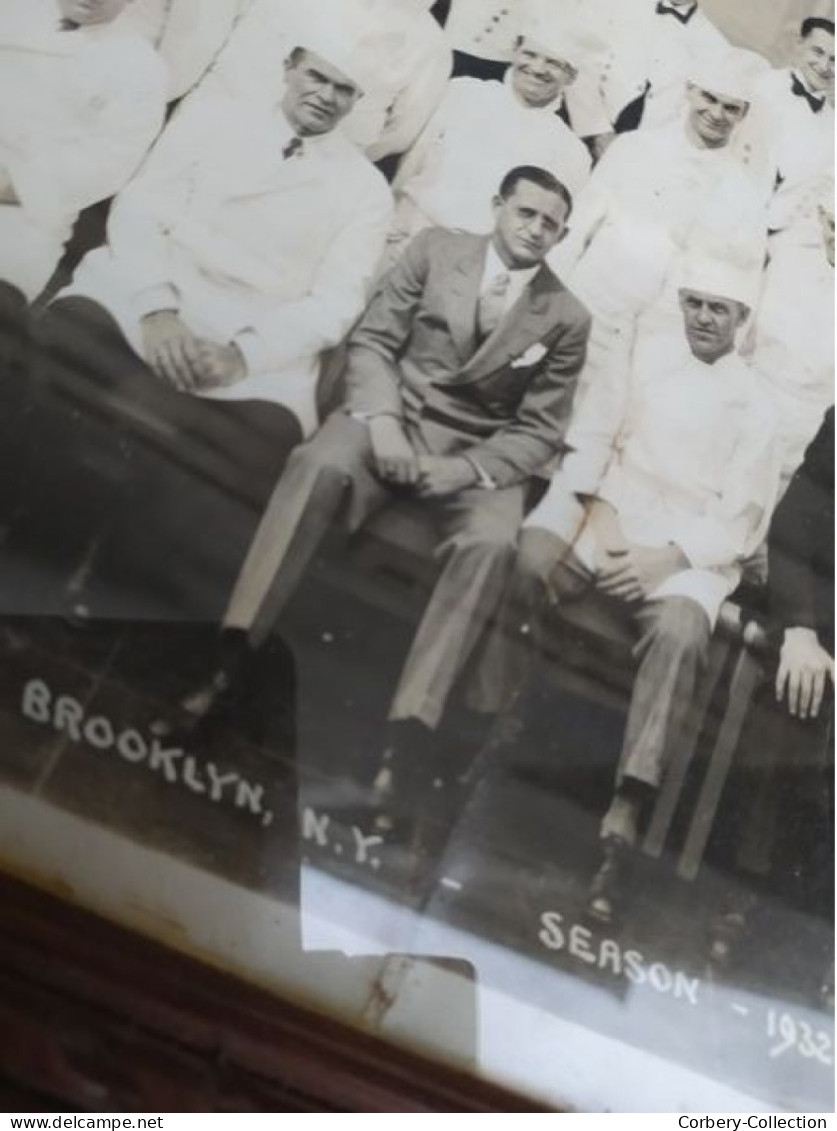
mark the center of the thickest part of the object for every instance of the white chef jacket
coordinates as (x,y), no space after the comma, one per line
(273,254)
(685,452)
(188,34)
(487,29)
(795,338)
(478,134)
(650,197)
(415,64)
(800,142)
(82,109)
(654,49)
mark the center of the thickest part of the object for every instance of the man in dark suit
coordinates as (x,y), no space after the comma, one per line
(783,816)
(801,579)
(460,378)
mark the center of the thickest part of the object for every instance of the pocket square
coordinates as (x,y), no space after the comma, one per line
(532,356)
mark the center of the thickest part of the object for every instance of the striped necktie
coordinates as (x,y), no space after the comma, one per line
(492,305)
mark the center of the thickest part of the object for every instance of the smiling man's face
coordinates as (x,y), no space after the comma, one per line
(815,59)
(539,75)
(713,116)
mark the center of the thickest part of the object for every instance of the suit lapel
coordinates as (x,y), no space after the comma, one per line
(526,323)
(460,297)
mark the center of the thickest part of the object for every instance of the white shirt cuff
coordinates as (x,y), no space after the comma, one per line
(484,480)
(252,350)
(153,300)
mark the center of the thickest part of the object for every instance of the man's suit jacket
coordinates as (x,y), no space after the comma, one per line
(416,355)
(800,544)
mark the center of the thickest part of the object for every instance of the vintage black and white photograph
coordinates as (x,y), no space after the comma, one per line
(417,518)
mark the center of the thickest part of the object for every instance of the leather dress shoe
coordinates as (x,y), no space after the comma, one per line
(402,776)
(608,889)
(205,701)
(194,709)
(731,927)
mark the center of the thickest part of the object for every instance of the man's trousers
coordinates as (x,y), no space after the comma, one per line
(672,640)
(168,486)
(781,819)
(333,475)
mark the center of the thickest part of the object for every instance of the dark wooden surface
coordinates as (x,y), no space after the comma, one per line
(95,1018)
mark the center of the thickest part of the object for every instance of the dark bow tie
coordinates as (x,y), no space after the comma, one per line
(801,91)
(682,16)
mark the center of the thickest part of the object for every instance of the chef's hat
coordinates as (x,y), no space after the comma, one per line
(544,26)
(347,38)
(724,271)
(731,74)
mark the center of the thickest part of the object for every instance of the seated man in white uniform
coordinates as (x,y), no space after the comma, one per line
(791,106)
(441,181)
(653,195)
(243,251)
(794,330)
(414,63)
(91,101)
(668,487)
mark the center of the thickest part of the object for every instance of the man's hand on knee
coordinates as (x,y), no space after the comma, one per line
(220,366)
(444,475)
(395,459)
(172,350)
(634,572)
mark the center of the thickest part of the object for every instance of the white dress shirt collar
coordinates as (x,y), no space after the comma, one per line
(321,142)
(519,279)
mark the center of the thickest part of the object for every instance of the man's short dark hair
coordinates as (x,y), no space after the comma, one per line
(536,176)
(816,23)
